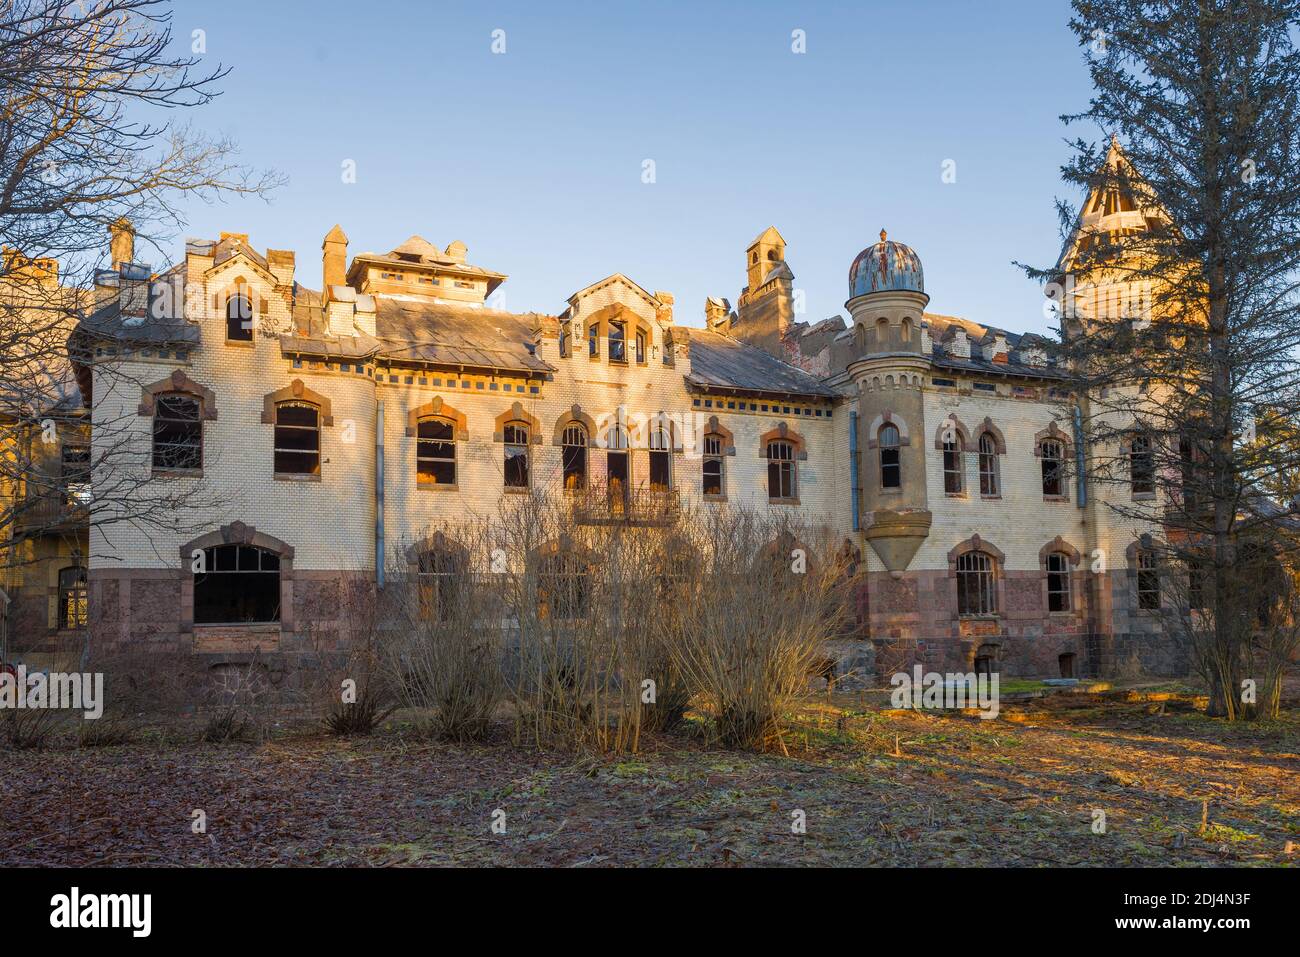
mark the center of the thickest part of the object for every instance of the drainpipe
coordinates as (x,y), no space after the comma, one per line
(379,493)
(853,464)
(1080,480)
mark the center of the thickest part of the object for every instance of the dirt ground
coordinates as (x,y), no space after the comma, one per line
(870,787)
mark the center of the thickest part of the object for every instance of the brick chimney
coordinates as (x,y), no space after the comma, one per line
(334,259)
(121,242)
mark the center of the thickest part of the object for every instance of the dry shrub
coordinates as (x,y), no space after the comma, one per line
(346,680)
(239,697)
(443,634)
(106,731)
(771,594)
(29,729)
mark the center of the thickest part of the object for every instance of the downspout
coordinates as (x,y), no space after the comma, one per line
(379,493)
(1080,479)
(853,465)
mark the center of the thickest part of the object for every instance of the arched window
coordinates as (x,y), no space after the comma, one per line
(891,465)
(435,452)
(1058,582)
(297,438)
(177,433)
(516,462)
(781,475)
(1148,579)
(976,589)
(563,585)
(1052,453)
(952,477)
(574,456)
(618,464)
(239,318)
(714,465)
(661,459)
(73,598)
(593,340)
(1141,466)
(439,576)
(617,342)
(988,455)
(238,584)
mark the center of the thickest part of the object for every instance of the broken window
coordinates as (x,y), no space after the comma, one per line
(661,460)
(1148,579)
(1053,464)
(1142,472)
(435,452)
(574,456)
(297,438)
(713,465)
(952,477)
(238,584)
(239,318)
(516,462)
(780,470)
(75,464)
(177,433)
(1058,582)
(976,589)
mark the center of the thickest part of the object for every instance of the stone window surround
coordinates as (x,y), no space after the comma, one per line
(178,383)
(999,448)
(632,324)
(977,544)
(783,433)
(436,408)
(728,447)
(1126,450)
(237,533)
(887,417)
(296,391)
(1059,546)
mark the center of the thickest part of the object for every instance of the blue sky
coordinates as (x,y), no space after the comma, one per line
(534,157)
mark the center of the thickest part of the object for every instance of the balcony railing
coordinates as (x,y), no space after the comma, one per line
(613,503)
(50,511)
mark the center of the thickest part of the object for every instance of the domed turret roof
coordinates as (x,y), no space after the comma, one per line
(886,266)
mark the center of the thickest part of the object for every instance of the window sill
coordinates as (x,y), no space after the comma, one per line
(435,487)
(783,501)
(1144,496)
(242,343)
(992,617)
(295,477)
(1067,613)
(955,495)
(891,490)
(990,498)
(1056,498)
(176,473)
(715,498)
(514,489)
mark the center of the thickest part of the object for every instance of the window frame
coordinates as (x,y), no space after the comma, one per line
(277,450)
(73,599)
(519,447)
(423,441)
(1046,461)
(1146,564)
(1059,583)
(1141,455)
(783,468)
(246,331)
(990,479)
(582,457)
(616,343)
(891,448)
(713,446)
(977,584)
(239,550)
(954,478)
(161,402)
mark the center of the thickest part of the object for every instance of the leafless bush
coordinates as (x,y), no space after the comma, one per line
(347,680)
(772,593)
(106,731)
(29,729)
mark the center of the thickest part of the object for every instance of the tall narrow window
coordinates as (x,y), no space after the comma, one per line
(618,467)
(1187,459)
(780,470)
(1142,473)
(564,341)
(574,456)
(75,461)
(238,584)
(988,455)
(661,460)
(891,465)
(952,477)
(976,589)
(617,342)
(177,433)
(1058,582)
(73,598)
(593,340)
(297,439)
(516,463)
(435,452)
(713,465)
(1148,579)
(1053,464)
(640,346)
(239,318)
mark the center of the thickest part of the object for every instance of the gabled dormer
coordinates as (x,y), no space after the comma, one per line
(418,269)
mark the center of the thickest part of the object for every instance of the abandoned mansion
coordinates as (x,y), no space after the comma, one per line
(308,432)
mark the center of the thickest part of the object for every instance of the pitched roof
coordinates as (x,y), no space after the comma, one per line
(456,335)
(719,361)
